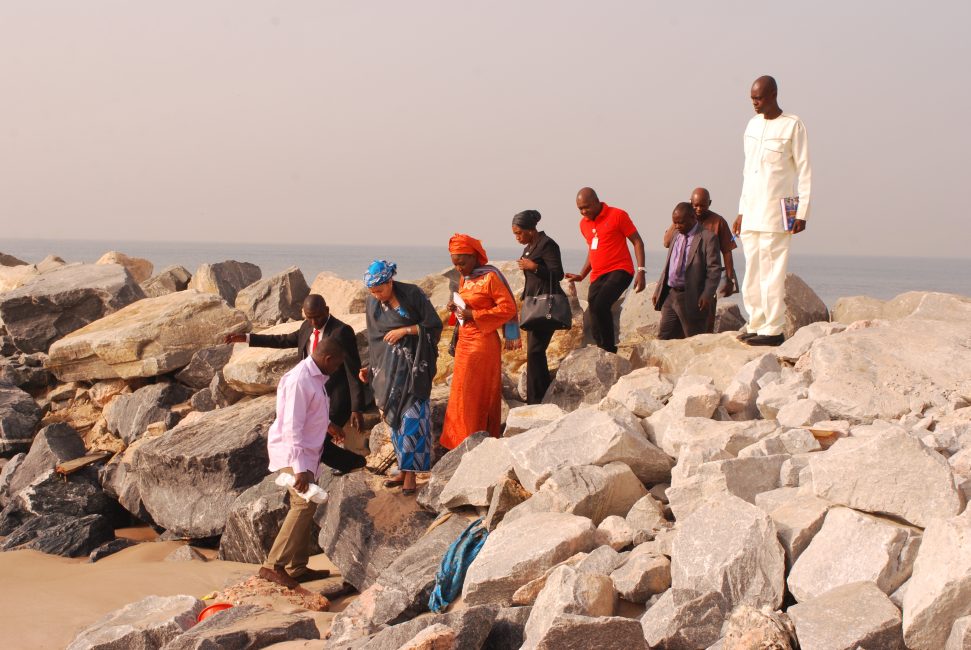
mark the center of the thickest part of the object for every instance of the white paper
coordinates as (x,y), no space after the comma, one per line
(314,492)
(594,243)
(457,299)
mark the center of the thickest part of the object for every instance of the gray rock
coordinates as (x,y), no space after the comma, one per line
(855,615)
(508,630)
(245,626)
(568,591)
(742,477)
(584,378)
(638,318)
(776,392)
(960,636)
(276,299)
(221,393)
(364,527)
(531,416)
(480,470)
(602,561)
(110,548)
(793,441)
(54,444)
(797,521)
(185,553)
(128,416)
(854,547)
(643,392)
(939,592)
(529,592)
(728,317)
(919,304)
(576,632)
(471,626)
(225,279)
(702,434)
(684,620)
(169,280)
(615,533)
(51,263)
(402,590)
(891,472)
(148,623)
(189,478)
(7,470)
(800,343)
(587,437)
(204,365)
(803,306)
(54,304)
(506,496)
(256,370)
(522,550)
(646,514)
(801,413)
(729,546)
(58,534)
(644,574)
(120,482)
(587,491)
(429,495)
(19,417)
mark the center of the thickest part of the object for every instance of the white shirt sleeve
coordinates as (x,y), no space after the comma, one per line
(800,157)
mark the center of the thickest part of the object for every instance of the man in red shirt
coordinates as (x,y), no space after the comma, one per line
(609,264)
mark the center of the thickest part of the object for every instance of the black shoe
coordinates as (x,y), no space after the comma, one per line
(766,340)
(746,336)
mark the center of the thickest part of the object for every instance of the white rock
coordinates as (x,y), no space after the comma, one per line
(774,396)
(643,391)
(800,343)
(531,416)
(646,514)
(722,364)
(148,623)
(568,591)
(742,391)
(740,477)
(615,532)
(793,441)
(140,269)
(887,473)
(960,636)
(584,378)
(644,574)
(797,522)
(601,632)
(801,413)
(586,437)
(684,620)
(479,472)
(698,433)
(342,296)
(939,592)
(855,615)
(257,371)
(854,547)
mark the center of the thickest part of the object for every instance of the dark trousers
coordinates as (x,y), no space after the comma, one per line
(339,458)
(604,292)
(678,320)
(537,368)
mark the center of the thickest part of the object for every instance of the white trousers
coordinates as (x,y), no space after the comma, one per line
(764,286)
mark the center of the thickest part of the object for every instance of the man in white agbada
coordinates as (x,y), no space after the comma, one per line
(776,168)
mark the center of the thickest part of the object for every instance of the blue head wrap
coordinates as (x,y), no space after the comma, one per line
(379,272)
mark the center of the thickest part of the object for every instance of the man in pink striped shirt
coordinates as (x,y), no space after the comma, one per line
(294,443)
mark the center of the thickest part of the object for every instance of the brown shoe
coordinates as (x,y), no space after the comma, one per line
(312,574)
(278,577)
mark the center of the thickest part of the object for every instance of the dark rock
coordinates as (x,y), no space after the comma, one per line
(509,629)
(189,477)
(402,590)
(364,527)
(221,393)
(58,302)
(444,469)
(186,553)
(10,260)
(128,416)
(146,624)
(728,317)
(225,278)
(169,280)
(53,445)
(203,401)
(120,483)
(59,534)
(204,365)
(803,306)
(6,473)
(78,496)
(7,348)
(254,521)
(276,299)
(110,548)
(471,627)
(584,378)
(19,416)
(245,626)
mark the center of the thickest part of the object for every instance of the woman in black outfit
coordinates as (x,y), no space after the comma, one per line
(541,264)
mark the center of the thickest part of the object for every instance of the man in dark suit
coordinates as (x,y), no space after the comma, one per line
(344,388)
(689,278)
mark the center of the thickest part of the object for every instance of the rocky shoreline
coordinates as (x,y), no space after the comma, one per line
(679,494)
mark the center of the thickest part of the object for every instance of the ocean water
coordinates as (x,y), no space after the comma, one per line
(830,276)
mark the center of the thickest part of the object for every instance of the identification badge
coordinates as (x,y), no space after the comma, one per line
(593,243)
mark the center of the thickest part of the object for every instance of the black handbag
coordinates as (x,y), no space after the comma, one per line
(546,311)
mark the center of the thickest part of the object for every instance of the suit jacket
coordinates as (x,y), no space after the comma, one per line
(702,273)
(546,253)
(345,389)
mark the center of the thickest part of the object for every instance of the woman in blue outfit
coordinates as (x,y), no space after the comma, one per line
(403,332)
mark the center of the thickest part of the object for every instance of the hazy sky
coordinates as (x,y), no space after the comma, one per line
(402,122)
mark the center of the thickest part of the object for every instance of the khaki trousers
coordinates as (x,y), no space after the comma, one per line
(764,286)
(291,548)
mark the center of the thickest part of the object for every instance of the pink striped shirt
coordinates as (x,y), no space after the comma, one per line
(296,436)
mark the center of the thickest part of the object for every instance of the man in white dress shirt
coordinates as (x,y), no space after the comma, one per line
(776,168)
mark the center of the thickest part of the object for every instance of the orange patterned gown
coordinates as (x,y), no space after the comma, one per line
(475,402)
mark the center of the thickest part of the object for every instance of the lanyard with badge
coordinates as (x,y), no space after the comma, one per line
(595,241)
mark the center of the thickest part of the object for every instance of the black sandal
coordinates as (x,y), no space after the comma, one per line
(393,483)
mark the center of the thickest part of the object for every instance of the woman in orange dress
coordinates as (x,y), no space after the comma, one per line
(475,401)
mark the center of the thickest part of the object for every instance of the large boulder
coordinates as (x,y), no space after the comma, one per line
(470,628)
(54,304)
(888,471)
(120,482)
(149,338)
(204,365)
(523,550)
(638,318)
(531,416)
(128,416)
(855,615)
(800,342)
(245,626)
(148,623)
(585,377)
(587,437)
(140,268)
(189,478)
(642,392)
(568,592)
(19,417)
(10,260)
(673,356)
(913,304)
(429,495)
(276,299)
(739,397)
(683,619)
(479,472)
(365,527)
(939,592)
(344,297)
(225,279)
(694,396)
(644,574)
(53,445)
(703,434)
(882,372)
(169,280)
(853,547)
(742,477)
(803,306)
(257,371)
(587,490)
(798,520)
(729,546)
(60,534)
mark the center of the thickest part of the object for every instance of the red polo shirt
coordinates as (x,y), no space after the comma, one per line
(611,228)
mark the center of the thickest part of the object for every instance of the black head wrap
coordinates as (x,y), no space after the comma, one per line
(527,219)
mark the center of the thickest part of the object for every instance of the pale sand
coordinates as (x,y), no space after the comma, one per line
(46,600)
